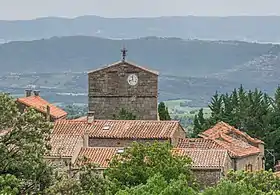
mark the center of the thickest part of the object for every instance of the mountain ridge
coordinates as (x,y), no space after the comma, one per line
(248,28)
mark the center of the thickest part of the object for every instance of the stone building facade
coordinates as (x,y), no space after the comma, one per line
(123,85)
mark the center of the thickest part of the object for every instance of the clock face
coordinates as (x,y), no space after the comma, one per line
(132,79)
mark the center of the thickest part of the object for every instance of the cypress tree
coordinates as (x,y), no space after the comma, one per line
(163,112)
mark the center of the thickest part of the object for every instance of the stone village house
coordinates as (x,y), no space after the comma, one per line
(100,140)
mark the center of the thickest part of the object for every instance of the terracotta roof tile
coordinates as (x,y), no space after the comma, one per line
(238,143)
(64,145)
(236,147)
(204,158)
(40,104)
(127,63)
(225,128)
(122,129)
(70,127)
(198,143)
(97,155)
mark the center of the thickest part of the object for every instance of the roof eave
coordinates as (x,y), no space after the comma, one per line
(126,62)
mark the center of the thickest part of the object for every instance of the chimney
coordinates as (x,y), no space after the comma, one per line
(48,117)
(28,92)
(277,167)
(90,117)
(36,92)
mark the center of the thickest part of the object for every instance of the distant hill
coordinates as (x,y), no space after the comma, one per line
(244,28)
(189,69)
(171,56)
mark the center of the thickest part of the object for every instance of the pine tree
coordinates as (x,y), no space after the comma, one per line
(199,123)
(216,107)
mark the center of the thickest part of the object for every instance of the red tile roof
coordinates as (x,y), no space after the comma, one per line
(236,147)
(40,104)
(198,143)
(70,127)
(238,143)
(225,128)
(97,155)
(127,63)
(122,129)
(64,145)
(205,158)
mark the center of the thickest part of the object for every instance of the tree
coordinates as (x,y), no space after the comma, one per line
(142,161)
(264,181)
(199,123)
(158,185)
(84,180)
(163,112)
(8,111)
(23,146)
(230,188)
(253,112)
(9,184)
(124,115)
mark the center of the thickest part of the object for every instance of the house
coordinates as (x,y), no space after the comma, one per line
(208,165)
(71,139)
(246,152)
(121,133)
(50,111)
(64,149)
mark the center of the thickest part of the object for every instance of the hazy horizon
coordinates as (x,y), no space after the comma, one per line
(32,9)
(73,17)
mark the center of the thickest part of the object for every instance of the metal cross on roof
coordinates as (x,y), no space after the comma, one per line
(124,53)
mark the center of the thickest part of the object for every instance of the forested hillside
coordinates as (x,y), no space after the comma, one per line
(189,69)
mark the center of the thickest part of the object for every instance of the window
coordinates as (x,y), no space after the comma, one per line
(249,167)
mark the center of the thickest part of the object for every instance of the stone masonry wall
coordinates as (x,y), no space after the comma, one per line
(207,177)
(254,160)
(109,91)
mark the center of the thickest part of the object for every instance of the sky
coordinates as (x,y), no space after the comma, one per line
(30,9)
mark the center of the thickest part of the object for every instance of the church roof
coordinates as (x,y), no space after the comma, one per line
(126,63)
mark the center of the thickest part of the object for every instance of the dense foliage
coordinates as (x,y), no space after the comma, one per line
(254,112)
(142,161)
(23,146)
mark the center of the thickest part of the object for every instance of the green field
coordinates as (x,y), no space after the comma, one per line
(181,109)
